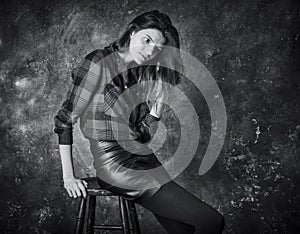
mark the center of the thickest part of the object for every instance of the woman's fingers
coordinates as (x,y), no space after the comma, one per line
(69,192)
(85,183)
(82,188)
(73,193)
(159,88)
(75,187)
(77,190)
(159,96)
(159,107)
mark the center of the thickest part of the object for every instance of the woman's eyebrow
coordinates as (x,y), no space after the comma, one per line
(152,40)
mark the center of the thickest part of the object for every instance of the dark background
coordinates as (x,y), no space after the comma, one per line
(250,47)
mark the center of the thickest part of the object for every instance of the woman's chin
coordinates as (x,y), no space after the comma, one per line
(139,61)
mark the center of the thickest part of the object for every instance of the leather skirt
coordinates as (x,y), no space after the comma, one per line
(128,169)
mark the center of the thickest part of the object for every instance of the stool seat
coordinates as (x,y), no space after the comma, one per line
(95,189)
(129,220)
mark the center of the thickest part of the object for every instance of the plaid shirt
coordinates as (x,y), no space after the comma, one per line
(93,98)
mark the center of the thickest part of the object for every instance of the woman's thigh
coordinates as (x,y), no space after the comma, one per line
(174,202)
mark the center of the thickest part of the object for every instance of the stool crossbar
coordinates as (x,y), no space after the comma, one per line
(129,220)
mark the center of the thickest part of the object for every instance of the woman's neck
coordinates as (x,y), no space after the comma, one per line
(125,57)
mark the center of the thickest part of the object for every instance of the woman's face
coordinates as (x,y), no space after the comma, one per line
(145,45)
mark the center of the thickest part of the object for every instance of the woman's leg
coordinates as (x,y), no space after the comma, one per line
(176,204)
(173,226)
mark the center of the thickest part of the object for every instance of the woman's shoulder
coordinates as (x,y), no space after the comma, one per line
(98,54)
(96,57)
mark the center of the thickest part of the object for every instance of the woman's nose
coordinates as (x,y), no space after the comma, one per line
(149,50)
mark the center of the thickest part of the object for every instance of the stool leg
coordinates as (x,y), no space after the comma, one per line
(91,215)
(131,227)
(131,210)
(80,216)
(124,215)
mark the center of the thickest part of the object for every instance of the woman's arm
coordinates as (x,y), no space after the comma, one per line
(73,186)
(148,125)
(85,81)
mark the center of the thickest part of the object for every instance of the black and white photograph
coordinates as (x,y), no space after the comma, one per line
(149,117)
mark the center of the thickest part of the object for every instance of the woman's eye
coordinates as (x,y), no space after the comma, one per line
(147,40)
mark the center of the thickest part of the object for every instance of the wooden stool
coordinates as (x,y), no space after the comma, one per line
(129,220)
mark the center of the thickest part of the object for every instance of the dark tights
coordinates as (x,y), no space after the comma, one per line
(180,212)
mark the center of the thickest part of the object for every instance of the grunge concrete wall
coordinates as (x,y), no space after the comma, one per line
(250,47)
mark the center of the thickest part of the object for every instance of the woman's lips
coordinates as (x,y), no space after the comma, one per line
(144,57)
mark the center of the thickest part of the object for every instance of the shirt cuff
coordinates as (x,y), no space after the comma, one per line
(65,137)
(150,119)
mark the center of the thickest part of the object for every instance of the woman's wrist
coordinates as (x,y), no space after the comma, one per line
(68,177)
(154,113)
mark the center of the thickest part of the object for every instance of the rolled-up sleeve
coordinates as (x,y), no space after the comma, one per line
(147,128)
(144,123)
(85,81)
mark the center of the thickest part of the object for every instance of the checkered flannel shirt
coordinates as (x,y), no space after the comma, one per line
(95,89)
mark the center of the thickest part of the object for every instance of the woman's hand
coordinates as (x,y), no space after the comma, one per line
(156,109)
(160,96)
(75,187)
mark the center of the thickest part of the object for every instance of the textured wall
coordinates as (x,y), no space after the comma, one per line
(250,47)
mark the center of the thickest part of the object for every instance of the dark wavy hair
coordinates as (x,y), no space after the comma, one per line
(169,59)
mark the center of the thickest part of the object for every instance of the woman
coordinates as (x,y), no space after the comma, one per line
(122,159)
